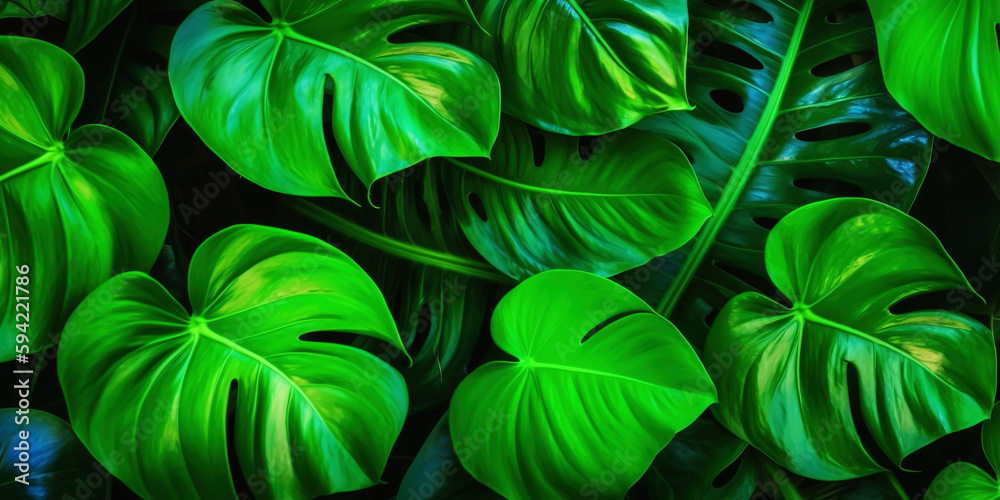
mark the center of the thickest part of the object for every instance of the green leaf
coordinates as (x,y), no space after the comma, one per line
(784,384)
(33,8)
(87,18)
(253,90)
(584,68)
(942,63)
(601,384)
(78,205)
(754,143)
(56,460)
(692,461)
(145,379)
(126,69)
(437,474)
(437,287)
(635,197)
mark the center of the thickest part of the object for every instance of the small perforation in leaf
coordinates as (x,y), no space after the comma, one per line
(765,222)
(604,324)
(477,206)
(867,440)
(833,131)
(846,13)
(730,53)
(841,64)
(585,146)
(235,471)
(742,9)
(727,100)
(537,140)
(998,35)
(835,187)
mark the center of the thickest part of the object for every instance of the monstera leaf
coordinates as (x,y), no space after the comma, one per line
(600,385)
(92,178)
(128,89)
(33,8)
(920,375)
(945,68)
(437,287)
(312,417)
(962,480)
(786,113)
(631,198)
(55,458)
(584,68)
(87,18)
(253,90)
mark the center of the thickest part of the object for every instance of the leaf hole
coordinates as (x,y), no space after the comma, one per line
(731,53)
(834,434)
(742,9)
(586,145)
(537,140)
(846,13)
(766,222)
(235,470)
(727,100)
(604,324)
(833,131)
(843,63)
(477,205)
(835,187)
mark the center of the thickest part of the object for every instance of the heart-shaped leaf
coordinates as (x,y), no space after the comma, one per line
(633,197)
(942,63)
(601,384)
(79,205)
(584,68)
(42,458)
(253,90)
(784,386)
(789,109)
(145,379)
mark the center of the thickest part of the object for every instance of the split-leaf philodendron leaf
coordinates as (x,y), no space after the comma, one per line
(965,481)
(788,110)
(147,384)
(254,90)
(601,382)
(56,459)
(93,179)
(633,198)
(784,369)
(942,63)
(584,68)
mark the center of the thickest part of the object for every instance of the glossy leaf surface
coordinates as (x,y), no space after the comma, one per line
(942,63)
(790,108)
(589,355)
(633,198)
(584,68)
(315,417)
(56,458)
(920,375)
(32,8)
(92,179)
(254,90)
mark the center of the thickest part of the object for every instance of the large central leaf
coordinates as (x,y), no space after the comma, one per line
(786,113)
(147,385)
(253,90)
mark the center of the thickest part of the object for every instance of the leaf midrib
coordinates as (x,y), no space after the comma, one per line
(741,174)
